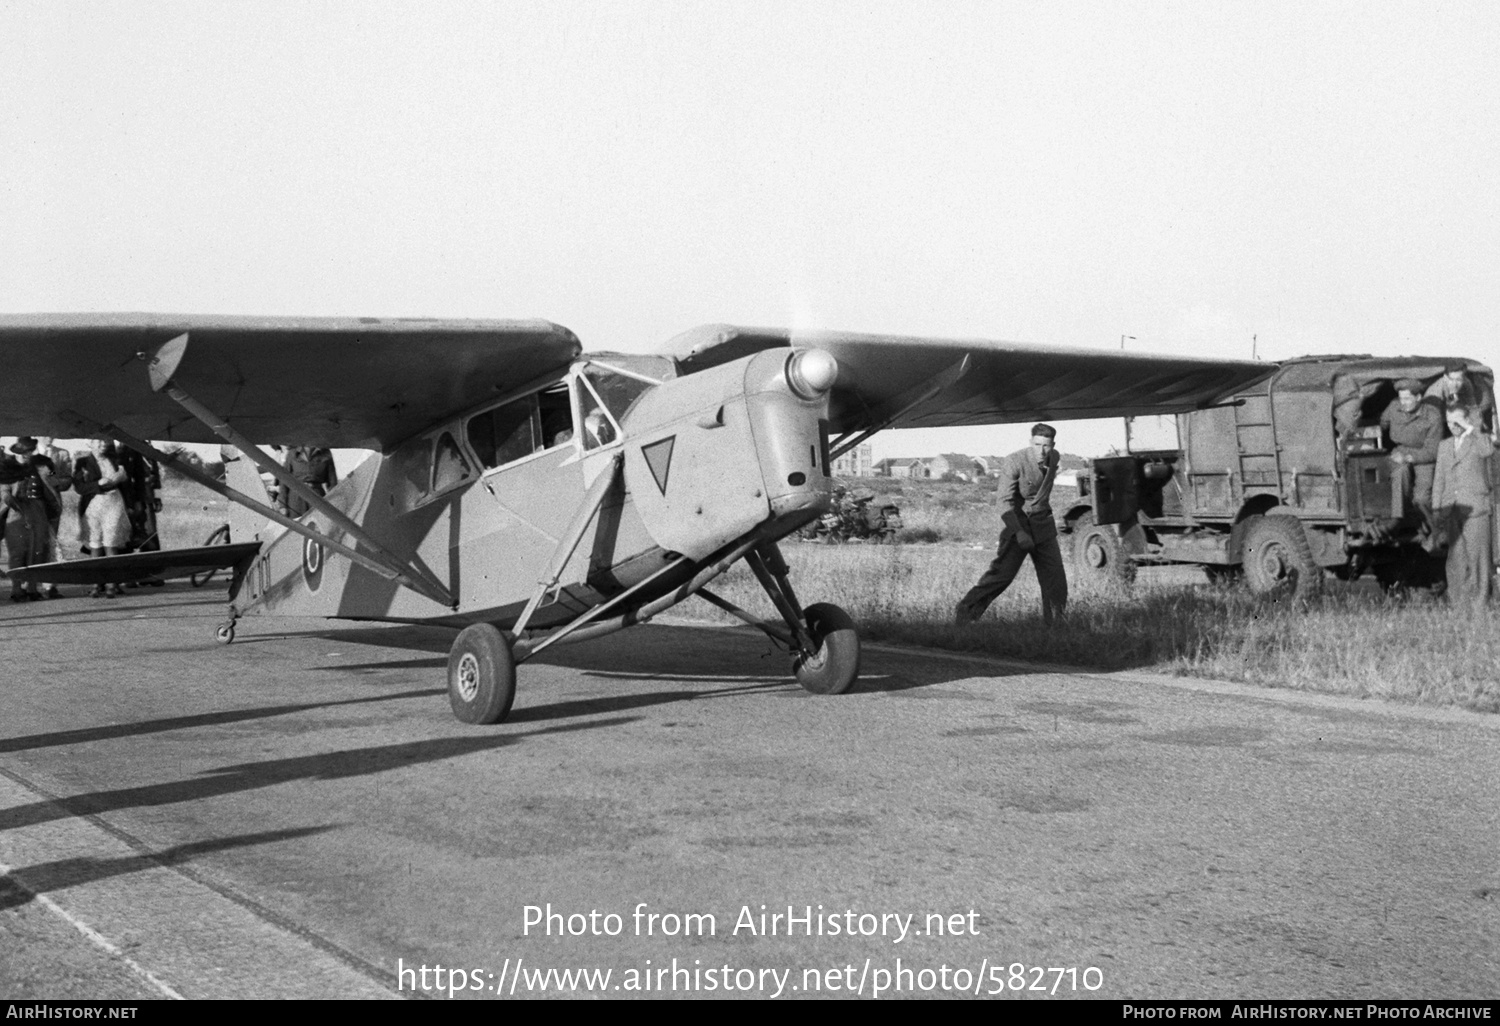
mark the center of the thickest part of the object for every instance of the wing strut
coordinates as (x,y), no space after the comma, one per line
(94,429)
(164,364)
(568,543)
(897,407)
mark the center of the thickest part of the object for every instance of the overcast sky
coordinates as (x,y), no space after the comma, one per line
(1320,176)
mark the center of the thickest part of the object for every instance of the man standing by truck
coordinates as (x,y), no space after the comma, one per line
(1461,490)
(1415,428)
(1025,497)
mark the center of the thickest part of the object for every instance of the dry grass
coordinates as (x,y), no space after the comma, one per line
(1352,642)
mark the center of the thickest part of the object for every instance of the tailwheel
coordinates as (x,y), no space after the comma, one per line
(224,633)
(481,674)
(831,665)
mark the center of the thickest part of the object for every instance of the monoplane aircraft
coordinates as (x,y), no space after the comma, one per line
(526,493)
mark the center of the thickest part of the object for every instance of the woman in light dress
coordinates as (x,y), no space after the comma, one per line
(106,523)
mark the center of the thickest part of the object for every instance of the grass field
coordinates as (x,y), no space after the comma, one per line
(1353,641)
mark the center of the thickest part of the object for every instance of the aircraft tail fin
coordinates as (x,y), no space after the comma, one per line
(240,474)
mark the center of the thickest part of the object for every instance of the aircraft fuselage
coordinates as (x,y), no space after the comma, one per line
(483,500)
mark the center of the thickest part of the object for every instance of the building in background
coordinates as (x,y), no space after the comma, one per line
(857,462)
(905,466)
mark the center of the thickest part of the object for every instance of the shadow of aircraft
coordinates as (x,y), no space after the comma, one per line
(22,885)
(118,730)
(249,776)
(698,654)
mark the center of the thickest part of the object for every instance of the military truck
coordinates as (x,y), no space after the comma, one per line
(1288,480)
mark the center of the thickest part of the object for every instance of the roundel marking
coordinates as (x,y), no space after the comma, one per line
(312,563)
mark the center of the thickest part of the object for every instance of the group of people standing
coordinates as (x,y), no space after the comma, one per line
(117,505)
(1442,439)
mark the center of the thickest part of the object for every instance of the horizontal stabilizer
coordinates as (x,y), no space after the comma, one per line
(138,566)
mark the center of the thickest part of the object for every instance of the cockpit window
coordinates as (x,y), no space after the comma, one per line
(506,433)
(448,464)
(598,429)
(556,408)
(618,391)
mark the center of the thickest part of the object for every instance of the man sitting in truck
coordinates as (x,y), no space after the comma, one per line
(1457,388)
(1415,428)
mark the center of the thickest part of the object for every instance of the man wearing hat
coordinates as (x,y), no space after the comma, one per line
(1415,428)
(24,495)
(1025,496)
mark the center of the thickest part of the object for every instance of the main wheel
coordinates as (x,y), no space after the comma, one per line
(1278,560)
(481,675)
(219,537)
(1098,554)
(833,665)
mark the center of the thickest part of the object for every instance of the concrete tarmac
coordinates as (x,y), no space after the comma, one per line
(299,815)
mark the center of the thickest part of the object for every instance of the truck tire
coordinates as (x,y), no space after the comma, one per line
(1278,560)
(1098,555)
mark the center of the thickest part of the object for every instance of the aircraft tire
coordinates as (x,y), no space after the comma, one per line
(833,668)
(481,674)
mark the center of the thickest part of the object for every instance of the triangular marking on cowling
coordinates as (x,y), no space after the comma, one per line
(659,459)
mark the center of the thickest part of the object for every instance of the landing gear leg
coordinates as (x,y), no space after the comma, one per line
(825,657)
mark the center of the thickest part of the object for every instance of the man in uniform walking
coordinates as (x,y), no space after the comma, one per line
(1027,528)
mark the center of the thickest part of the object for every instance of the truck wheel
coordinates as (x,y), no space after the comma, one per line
(1278,560)
(1097,553)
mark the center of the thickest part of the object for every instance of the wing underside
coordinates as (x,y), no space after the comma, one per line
(982,381)
(338,382)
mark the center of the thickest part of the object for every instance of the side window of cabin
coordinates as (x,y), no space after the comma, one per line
(507,433)
(556,409)
(413,473)
(448,464)
(598,429)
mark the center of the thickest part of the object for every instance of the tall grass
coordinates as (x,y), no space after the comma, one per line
(1353,641)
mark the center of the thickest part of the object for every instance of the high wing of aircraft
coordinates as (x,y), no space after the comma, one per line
(527,493)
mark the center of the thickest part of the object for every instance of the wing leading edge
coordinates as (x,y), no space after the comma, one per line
(1003,382)
(340,382)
